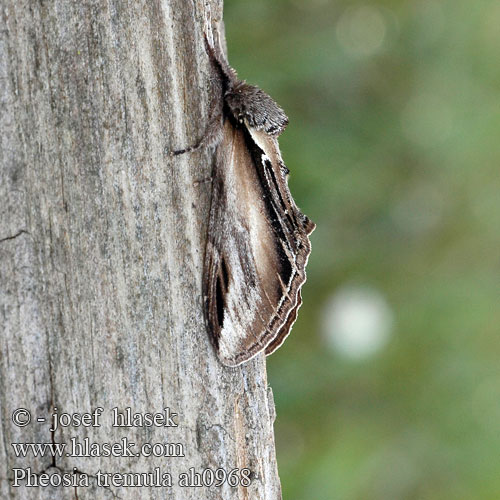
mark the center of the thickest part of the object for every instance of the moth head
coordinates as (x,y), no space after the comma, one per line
(237,98)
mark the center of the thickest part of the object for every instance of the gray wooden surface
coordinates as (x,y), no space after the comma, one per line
(102,236)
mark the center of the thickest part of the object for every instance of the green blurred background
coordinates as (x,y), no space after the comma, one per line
(389,385)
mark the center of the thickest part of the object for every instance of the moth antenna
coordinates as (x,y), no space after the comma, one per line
(208,21)
(211,137)
(189,149)
(219,60)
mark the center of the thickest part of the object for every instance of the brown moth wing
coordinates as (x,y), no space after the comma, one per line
(269,144)
(257,247)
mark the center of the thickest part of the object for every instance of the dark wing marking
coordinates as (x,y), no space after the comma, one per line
(257,248)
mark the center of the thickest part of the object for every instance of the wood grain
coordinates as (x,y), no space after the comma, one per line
(102,235)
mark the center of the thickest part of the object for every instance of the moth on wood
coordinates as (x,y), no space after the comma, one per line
(258,244)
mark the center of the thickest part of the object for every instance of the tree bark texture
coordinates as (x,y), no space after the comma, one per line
(101,253)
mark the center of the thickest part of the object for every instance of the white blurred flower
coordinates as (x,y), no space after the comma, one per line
(357,322)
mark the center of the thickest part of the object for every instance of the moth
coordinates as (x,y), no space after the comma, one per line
(258,240)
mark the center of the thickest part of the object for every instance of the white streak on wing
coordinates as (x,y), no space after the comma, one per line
(266,173)
(263,140)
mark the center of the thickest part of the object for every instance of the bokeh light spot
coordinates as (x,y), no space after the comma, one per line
(357,322)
